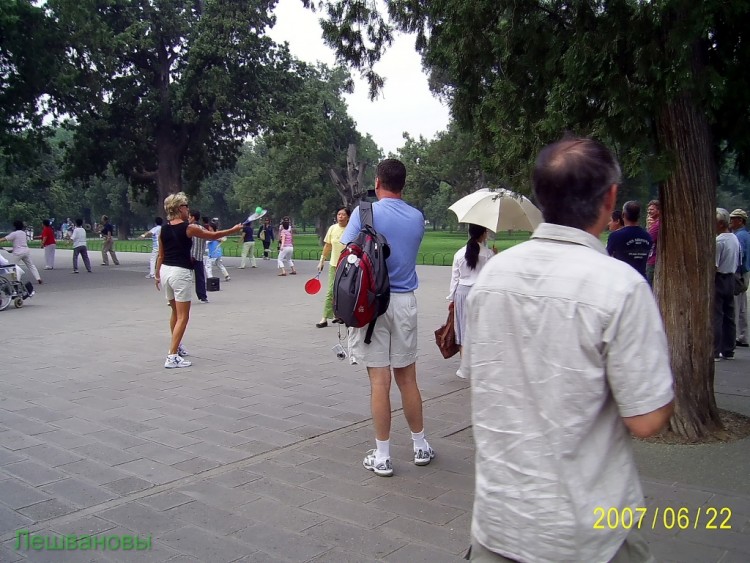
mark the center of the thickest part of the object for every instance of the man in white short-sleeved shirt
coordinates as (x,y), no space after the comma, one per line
(567,355)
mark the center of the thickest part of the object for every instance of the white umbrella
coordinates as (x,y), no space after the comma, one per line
(498,210)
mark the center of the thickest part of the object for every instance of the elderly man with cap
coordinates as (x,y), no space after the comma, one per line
(738,224)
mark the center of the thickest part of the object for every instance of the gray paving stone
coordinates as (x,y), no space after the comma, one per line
(10,520)
(94,471)
(216,495)
(371,543)
(128,485)
(235,478)
(43,414)
(278,542)
(452,539)
(47,510)
(7,456)
(269,436)
(169,438)
(209,517)
(153,471)
(17,494)
(422,554)
(685,552)
(161,453)
(33,473)
(417,508)
(142,519)
(127,425)
(105,454)
(176,424)
(87,525)
(166,500)
(78,492)
(196,465)
(15,441)
(218,453)
(24,424)
(117,439)
(350,512)
(360,492)
(67,440)
(204,545)
(283,473)
(273,513)
(288,494)
(78,425)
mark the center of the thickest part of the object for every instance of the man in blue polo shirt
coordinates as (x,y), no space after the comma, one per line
(394,340)
(632,243)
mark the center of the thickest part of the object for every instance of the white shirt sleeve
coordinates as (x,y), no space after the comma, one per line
(637,357)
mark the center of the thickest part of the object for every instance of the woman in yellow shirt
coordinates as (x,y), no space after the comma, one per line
(332,249)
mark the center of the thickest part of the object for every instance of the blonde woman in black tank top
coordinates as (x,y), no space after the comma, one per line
(175,269)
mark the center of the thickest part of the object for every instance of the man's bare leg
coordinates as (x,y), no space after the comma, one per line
(380,401)
(411,398)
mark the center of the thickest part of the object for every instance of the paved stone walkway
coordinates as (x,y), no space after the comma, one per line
(254,453)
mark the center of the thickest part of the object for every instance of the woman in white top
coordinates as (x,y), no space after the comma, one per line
(21,249)
(467,263)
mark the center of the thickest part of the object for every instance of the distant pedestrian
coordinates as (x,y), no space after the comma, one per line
(215,258)
(154,234)
(248,246)
(49,244)
(332,249)
(175,269)
(108,245)
(79,247)
(197,253)
(738,220)
(265,234)
(616,222)
(20,252)
(727,261)
(286,247)
(467,263)
(632,243)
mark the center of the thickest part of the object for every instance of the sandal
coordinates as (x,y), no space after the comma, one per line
(322,325)
(293,273)
(281,274)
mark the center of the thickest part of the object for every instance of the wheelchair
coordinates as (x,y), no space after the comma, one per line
(11,289)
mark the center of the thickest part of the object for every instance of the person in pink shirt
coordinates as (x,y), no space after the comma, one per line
(653,223)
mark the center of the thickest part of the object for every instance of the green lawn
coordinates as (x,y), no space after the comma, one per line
(438,247)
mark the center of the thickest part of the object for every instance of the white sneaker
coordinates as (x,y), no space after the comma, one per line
(424,457)
(149,276)
(181,351)
(175,361)
(460,374)
(382,468)
(227,278)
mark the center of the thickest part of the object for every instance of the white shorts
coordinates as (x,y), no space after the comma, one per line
(177,283)
(394,340)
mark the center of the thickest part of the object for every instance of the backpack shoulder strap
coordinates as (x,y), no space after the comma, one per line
(365,214)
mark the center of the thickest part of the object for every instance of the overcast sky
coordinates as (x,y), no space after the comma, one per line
(405,103)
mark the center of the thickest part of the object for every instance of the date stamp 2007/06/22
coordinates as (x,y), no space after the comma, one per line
(683,518)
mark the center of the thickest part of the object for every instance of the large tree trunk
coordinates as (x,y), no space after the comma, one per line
(352,188)
(684,284)
(169,173)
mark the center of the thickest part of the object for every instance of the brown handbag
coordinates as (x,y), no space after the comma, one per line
(445,338)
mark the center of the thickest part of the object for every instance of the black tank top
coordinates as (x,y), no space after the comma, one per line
(176,245)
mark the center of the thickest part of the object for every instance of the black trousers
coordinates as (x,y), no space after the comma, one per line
(266,246)
(724,327)
(200,279)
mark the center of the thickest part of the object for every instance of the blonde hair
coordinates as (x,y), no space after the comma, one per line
(172,204)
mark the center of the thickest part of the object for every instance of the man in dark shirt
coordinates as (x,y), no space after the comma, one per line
(632,243)
(107,230)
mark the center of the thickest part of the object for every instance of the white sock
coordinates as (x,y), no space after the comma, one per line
(383,450)
(419,442)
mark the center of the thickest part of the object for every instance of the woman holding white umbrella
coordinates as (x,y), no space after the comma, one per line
(467,263)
